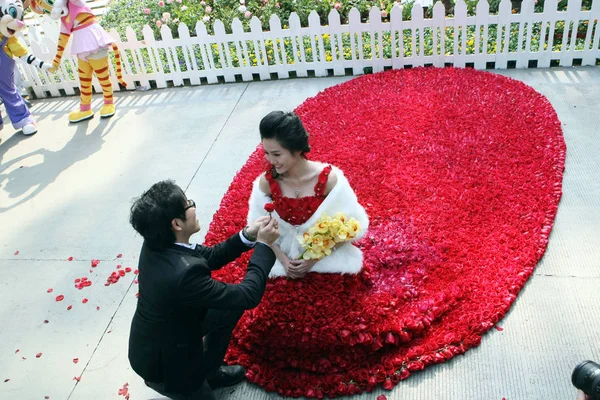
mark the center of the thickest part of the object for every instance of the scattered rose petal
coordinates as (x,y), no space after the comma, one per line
(49,290)
(137,294)
(69,308)
(119,255)
(77,378)
(136,271)
(46,321)
(24,358)
(499,328)
(17,253)
(97,308)
(38,355)
(75,360)
(84,300)
(6,380)
(135,281)
(16,351)
(46,397)
(70,258)
(124,391)
(95,263)
(60,297)
(127,269)
(119,266)
(382,397)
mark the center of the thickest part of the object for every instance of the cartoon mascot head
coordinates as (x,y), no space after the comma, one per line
(54,8)
(11,17)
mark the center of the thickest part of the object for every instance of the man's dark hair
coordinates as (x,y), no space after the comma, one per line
(152,213)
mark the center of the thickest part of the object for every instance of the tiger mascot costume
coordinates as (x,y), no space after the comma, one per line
(11,22)
(90,44)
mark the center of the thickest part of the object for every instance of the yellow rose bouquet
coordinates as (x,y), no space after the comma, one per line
(321,238)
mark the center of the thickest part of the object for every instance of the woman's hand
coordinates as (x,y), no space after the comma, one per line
(299,268)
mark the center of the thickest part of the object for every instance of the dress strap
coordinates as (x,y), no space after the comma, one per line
(322,181)
(273,184)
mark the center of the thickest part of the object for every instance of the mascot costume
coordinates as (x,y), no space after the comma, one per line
(11,22)
(90,44)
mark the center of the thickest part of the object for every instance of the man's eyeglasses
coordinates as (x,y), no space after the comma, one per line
(191,203)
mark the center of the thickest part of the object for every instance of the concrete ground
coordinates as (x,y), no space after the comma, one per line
(66,192)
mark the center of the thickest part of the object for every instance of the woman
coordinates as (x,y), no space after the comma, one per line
(301,191)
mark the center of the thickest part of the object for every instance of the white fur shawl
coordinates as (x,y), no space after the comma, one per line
(346,258)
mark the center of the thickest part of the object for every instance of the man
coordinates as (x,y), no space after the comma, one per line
(184,319)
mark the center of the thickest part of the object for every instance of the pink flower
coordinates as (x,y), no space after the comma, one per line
(208,9)
(146,11)
(276,5)
(202,3)
(161,3)
(384,14)
(158,23)
(247,14)
(337,5)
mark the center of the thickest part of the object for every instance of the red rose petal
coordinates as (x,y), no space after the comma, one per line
(6,380)
(69,308)
(70,258)
(127,269)
(97,308)
(498,328)
(136,271)
(17,253)
(119,266)
(49,290)
(46,397)
(75,360)
(77,378)
(16,351)
(119,255)
(46,321)
(38,355)
(84,300)
(60,297)
(95,263)
(382,397)
(24,358)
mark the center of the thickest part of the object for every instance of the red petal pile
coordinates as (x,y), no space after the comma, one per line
(82,282)
(460,172)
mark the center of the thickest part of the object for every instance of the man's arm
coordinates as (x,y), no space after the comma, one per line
(198,290)
(221,254)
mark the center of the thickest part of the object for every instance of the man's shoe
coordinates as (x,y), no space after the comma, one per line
(226,376)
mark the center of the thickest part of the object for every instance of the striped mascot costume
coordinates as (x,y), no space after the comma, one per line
(90,44)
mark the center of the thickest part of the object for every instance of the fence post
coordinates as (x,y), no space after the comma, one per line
(206,52)
(157,68)
(397,28)
(278,47)
(355,27)
(439,25)
(482,17)
(337,42)
(298,45)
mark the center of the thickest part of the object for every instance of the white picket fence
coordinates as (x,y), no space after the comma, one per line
(222,56)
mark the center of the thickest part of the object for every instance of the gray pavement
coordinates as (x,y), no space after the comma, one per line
(67,191)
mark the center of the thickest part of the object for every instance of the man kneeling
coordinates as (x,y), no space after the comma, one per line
(184,319)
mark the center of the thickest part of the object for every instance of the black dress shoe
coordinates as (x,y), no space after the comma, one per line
(226,376)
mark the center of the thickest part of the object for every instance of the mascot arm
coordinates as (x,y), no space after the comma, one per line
(17,49)
(63,39)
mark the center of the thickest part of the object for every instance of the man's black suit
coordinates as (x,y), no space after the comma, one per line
(176,293)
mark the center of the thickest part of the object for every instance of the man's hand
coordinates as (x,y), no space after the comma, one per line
(299,268)
(268,232)
(253,228)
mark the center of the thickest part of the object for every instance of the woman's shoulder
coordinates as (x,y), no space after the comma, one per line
(263,184)
(327,171)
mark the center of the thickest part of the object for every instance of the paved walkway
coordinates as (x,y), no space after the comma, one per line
(66,192)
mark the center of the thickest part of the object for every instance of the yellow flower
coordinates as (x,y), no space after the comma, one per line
(317,241)
(340,216)
(353,226)
(342,234)
(312,255)
(322,226)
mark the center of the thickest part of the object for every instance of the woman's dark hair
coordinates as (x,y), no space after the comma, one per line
(152,213)
(287,129)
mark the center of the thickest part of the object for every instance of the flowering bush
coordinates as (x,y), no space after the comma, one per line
(461,189)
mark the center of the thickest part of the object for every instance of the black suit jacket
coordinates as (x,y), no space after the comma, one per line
(176,289)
